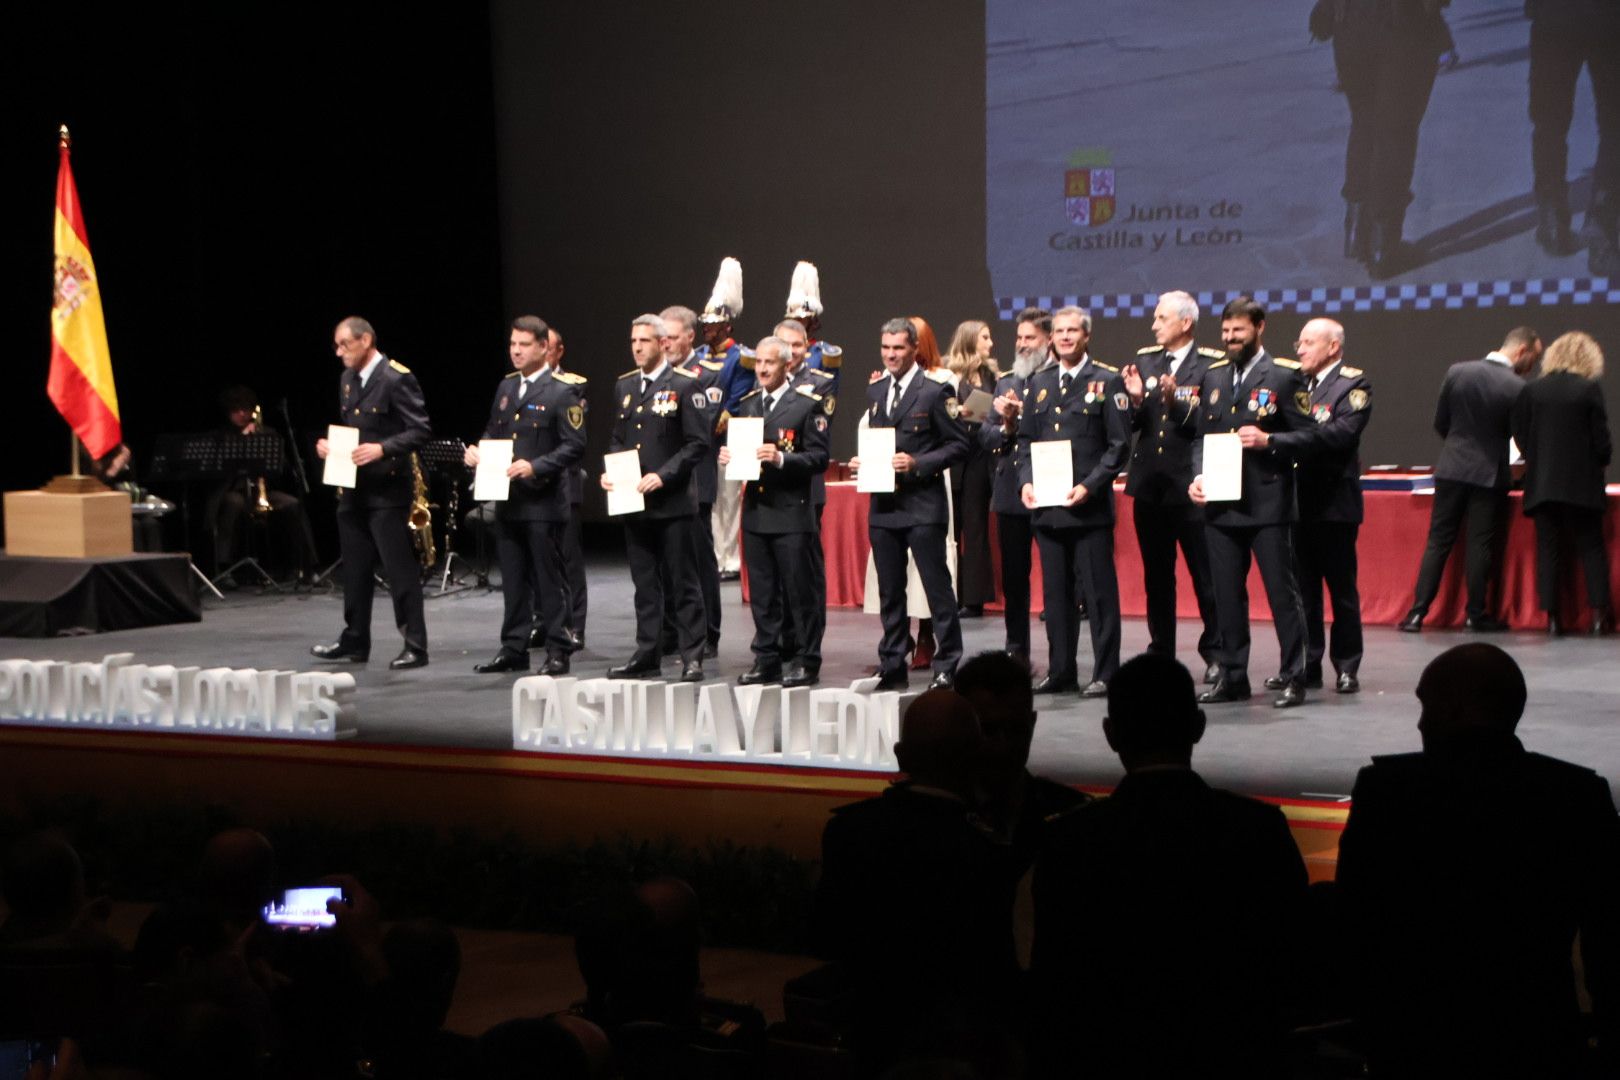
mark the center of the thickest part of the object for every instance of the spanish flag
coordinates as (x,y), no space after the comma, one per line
(81,381)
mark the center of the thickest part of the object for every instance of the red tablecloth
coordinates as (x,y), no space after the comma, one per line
(1390,547)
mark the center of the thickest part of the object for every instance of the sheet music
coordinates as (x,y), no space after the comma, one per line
(490,482)
(341,442)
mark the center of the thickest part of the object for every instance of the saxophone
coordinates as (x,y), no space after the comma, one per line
(421,516)
(261,504)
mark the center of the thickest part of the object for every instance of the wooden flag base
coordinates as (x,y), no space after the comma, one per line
(74,485)
(74,525)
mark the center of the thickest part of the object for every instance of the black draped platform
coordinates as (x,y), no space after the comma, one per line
(48,597)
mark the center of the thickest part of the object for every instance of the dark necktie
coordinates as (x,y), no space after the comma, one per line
(523,389)
(770,404)
(645,382)
(894,401)
(1067,377)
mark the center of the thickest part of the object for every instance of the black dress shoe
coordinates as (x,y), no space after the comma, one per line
(635,669)
(1223,691)
(970,611)
(1313,678)
(555,665)
(576,641)
(1484,624)
(760,673)
(1053,685)
(503,661)
(537,637)
(893,680)
(1211,673)
(798,676)
(1017,652)
(1600,625)
(710,651)
(1094,688)
(1554,627)
(1348,683)
(1412,624)
(409,658)
(942,680)
(337,651)
(1276,682)
(691,671)
(1292,695)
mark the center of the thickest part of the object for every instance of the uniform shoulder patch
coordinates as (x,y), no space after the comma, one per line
(941,375)
(1219,363)
(628,374)
(1105,367)
(831,356)
(953,408)
(1147,349)
(807,392)
(1351,372)
(1358,399)
(399,367)
(817,373)
(712,365)
(1213,354)
(512,375)
(745,357)
(684,373)
(569,377)
(752,393)
(1283,361)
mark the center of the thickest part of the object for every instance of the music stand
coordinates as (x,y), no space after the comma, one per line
(260,454)
(446,458)
(183,460)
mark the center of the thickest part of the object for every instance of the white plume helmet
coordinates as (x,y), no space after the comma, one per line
(726,301)
(804,293)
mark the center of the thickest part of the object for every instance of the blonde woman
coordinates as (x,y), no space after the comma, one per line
(971,365)
(1562,429)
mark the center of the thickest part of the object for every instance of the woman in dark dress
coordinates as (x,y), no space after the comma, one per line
(973,368)
(1562,430)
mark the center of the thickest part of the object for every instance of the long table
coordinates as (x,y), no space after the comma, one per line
(1389,549)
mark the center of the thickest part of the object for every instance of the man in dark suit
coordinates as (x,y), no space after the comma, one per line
(570,550)
(779,519)
(680,332)
(542,411)
(1471,478)
(1253,389)
(1165,914)
(999,438)
(1164,384)
(1083,402)
(912,518)
(825,384)
(1462,933)
(380,397)
(1330,505)
(663,416)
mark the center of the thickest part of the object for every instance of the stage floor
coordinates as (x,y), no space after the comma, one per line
(1311,752)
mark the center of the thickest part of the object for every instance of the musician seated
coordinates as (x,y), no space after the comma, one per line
(291,550)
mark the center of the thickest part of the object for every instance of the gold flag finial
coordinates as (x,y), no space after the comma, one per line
(63,138)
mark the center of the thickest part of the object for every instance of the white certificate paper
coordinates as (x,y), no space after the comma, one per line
(977,407)
(876,450)
(744,436)
(1223,468)
(624,473)
(341,442)
(490,482)
(1051,466)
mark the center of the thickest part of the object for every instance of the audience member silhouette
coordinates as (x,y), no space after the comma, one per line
(558,1047)
(236,876)
(46,903)
(1165,913)
(408,1039)
(1466,872)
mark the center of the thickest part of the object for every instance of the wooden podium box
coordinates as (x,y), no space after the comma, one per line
(68,526)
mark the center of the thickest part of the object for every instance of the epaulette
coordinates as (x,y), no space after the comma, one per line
(632,371)
(745,357)
(399,367)
(1149,349)
(941,374)
(1351,372)
(1283,361)
(750,394)
(818,373)
(807,392)
(831,355)
(569,377)
(683,371)
(1105,367)
(512,375)
(712,365)
(1220,363)
(1213,354)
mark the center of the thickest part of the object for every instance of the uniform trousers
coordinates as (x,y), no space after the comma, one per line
(726,524)
(365,537)
(1326,554)
(1077,563)
(1159,529)
(531,579)
(781,593)
(1585,527)
(926,544)
(1230,550)
(1486,511)
(1013,530)
(816,566)
(660,553)
(1558,51)
(708,570)
(571,556)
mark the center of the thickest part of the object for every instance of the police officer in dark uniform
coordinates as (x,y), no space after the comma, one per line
(1083,402)
(999,437)
(680,331)
(663,415)
(736,378)
(1253,389)
(380,397)
(825,384)
(779,520)
(927,442)
(1164,385)
(541,410)
(569,549)
(1330,504)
